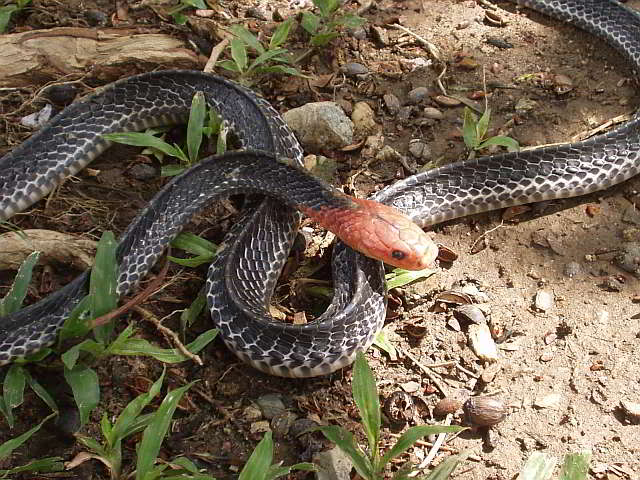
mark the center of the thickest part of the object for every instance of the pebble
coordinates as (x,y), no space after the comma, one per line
(270,405)
(433,113)
(417,95)
(544,300)
(602,316)
(548,401)
(281,424)
(572,269)
(333,464)
(320,125)
(143,171)
(482,343)
(629,257)
(257,12)
(447,101)
(380,36)
(470,314)
(631,411)
(354,69)
(62,94)
(95,18)
(363,119)
(419,149)
(39,118)
(392,103)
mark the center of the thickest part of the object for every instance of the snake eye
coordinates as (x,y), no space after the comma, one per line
(398,255)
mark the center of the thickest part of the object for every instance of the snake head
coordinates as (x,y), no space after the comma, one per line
(380,232)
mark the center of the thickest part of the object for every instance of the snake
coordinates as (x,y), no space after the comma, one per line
(243,276)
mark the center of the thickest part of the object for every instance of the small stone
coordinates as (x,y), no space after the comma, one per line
(270,405)
(631,411)
(482,343)
(259,427)
(469,314)
(419,149)
(143,171)
(548,401)
(281,424)
(544,300)
(363,119)
(37,119)
(380,36)
(257,12)
(95,18)
(547,356)
(410,387)
(417,95)
(392,103)
(629,257)
(333,464)
(354,69)
(251,413)
(320,125)
(433,113)
(602,316)
(572,269)
(61,94)
(447,101)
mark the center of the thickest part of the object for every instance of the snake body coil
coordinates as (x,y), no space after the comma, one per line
(244,274)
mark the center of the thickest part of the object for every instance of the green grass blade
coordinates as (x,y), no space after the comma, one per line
(13,300)
(13,391)
(103,284)
(194,244)
(411,436)
(400,277)
(239,53)
(43,465)
(444,470)
(139,139)
(129,414)
(139,346)
(350,20)
(281,34)
(248,38)
(277,471)
(268,55)
(70,357)
(5,16)
(171,170)
(469,130)
(322,39)
(483,124)
(511,144)
(154,434)
(10,445)
(192,262)
(365,394)
(77,325)
(189,316)
(41,392)
(260,460)
(539,466)
(346,442)
(194,127)
(86,389)
(229,65)
(575,466)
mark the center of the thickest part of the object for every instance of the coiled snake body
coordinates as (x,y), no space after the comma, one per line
(244,274)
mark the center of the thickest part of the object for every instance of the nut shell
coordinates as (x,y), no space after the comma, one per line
(445,406)
(484,411)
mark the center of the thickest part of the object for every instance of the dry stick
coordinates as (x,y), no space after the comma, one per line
(426,371)
(215,54)
(149,290)
(175,339)
(434,450)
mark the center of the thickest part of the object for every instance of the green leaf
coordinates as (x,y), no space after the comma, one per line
(411,436)
(382,342)
(281,34)
(279,69)
(78,323)
(259,461)
(86,389)
(445,468)
(511,144)
(400,277)
(194,127)
(268,55)
(194,244)
(171,170)
(70,357)
(12,302)
(189,316)
(103,284)
(239,53)
(13,391)
(139,346)
(139,139)
(326,7)
(322,39)
(483,124)
(154,434)
(276,471)
(191,262)
(179,18)
(5,16)
(43,465)
(469,130)
(365,394)
(310,22)
(575,466)
(247,38)
(539,466)
(351,20)
(346,442)
(133,410)
(229,65)
(41,392)
(10,445)
(199,4)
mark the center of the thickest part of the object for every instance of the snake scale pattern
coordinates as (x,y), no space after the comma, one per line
(243,277)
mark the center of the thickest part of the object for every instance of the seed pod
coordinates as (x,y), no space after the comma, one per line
(445,406)
(484,411)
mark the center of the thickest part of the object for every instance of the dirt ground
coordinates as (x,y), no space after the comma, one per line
(562,372)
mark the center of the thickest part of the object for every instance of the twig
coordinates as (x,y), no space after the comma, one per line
(434,450)
(175,339)
(473,246)
(433,50)
(149,290)
(215,54)
(426,371)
